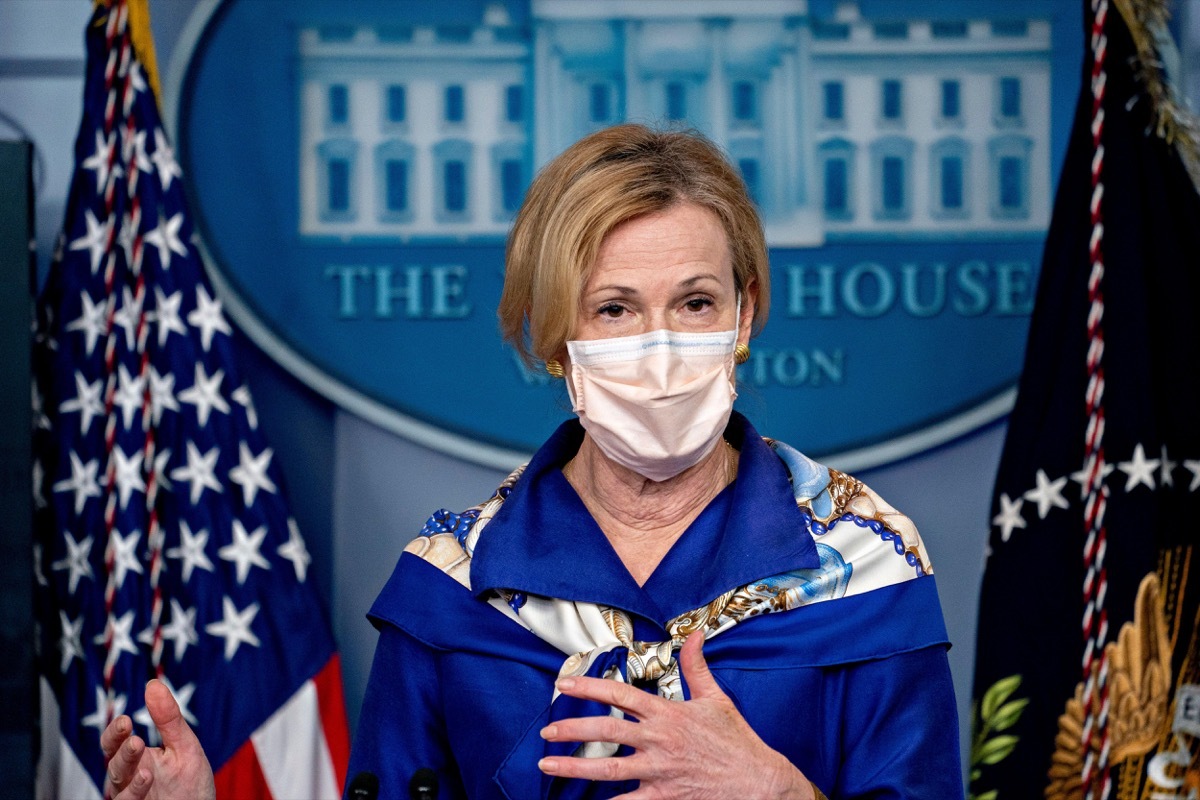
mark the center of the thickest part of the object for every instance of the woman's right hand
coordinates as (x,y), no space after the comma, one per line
(177,770)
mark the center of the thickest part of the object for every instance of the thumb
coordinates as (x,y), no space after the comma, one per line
(699,678)
(176,733)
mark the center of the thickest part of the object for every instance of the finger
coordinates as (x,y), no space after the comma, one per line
(175,732)
(699,677)
(139,787)
(623,768)
(596,729)
(123,766)
(613,693)
(114,735)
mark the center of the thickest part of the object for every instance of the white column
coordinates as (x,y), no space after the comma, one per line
(718,83)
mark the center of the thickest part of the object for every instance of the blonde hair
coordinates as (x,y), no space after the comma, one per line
(596,184)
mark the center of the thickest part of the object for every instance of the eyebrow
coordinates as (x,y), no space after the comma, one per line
(629,290)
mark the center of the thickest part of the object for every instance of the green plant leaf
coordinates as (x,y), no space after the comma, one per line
(992,795)
(1007,715)
(996,750)
(995,696)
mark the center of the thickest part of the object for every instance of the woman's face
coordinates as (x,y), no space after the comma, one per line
(670,269)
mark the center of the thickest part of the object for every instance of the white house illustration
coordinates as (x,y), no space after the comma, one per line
(842,127)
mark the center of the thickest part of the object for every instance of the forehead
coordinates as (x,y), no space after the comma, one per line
(674,244)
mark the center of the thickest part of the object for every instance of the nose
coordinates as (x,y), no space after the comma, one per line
(656,319)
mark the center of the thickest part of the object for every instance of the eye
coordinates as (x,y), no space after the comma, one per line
(698,304)
(612,310)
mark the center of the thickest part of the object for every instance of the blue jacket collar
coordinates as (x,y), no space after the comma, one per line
(543,540)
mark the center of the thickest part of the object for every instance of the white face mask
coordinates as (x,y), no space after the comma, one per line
(658,402)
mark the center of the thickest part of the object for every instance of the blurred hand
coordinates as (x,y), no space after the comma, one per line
(178,770)
(700,748)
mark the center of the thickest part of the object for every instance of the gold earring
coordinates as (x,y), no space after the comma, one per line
(554,368)
(741,353)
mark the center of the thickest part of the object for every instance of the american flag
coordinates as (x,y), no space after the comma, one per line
(163,543)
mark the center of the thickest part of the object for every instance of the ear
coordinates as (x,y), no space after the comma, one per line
(749,306)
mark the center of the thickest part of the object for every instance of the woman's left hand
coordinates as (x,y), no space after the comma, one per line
(699,748)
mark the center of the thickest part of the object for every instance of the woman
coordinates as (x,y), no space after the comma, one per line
(661,603)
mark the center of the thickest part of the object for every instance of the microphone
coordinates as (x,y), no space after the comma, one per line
(365,786)
(424,785)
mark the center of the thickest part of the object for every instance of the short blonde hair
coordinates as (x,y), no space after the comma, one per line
(596,184)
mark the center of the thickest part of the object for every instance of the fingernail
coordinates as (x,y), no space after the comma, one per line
(563,684)
(548,765)
(549,732)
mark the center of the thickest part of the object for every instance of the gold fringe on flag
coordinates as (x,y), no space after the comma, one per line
(1174,123)
(143,40)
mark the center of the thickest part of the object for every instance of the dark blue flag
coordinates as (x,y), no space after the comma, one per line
(1087,678)
(164,547)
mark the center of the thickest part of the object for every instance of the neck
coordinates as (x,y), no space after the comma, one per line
(642,518)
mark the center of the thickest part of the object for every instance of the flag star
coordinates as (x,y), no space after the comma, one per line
(95,240)
(199,471)
(244,550)
(128,316)
(164,160)
(1080,477)
(127,238)
(134,151)
(241,396)
(167,315)
(82,481)
(208,317)
(117,637)
(1009,516)
(40,420)
(86,401)
(69,643)
(181,630)
(128,474)
(38,554)
(109,706)
(1193,466)
(78,561)
(165,237)
(123,556)
(1048,494)
(191,550)
(1139,469)
(100,159)
(251,472)
(130,395)
(91,321)
(156,539)
(135,77)
(39,480)
(160,469)
(162,394)
(1168,466)
(235,627)
(205,394)
(295,551)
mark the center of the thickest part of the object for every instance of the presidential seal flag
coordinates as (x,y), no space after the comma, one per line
(1087,677)
(163,543)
